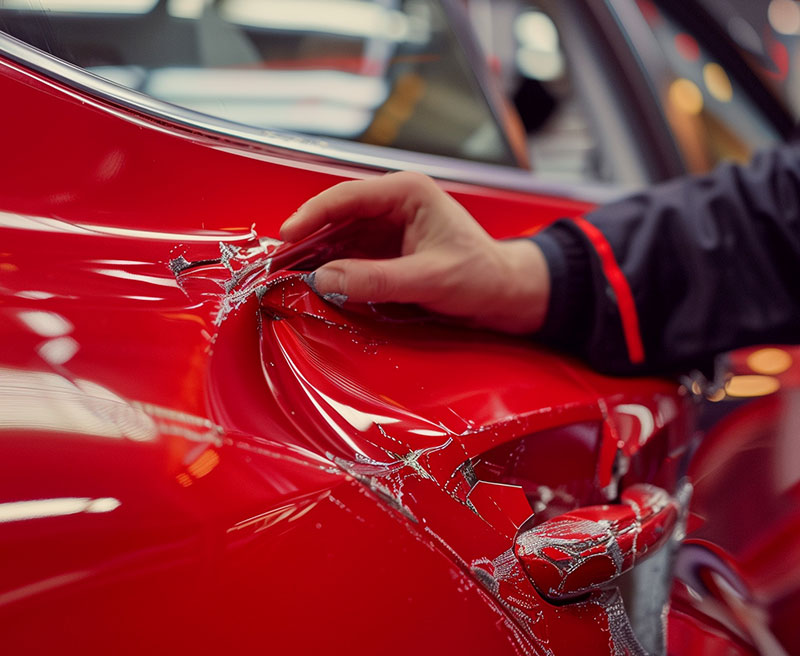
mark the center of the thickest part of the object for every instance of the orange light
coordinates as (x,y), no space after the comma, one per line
(771,361)
(685,96)
(752,385)
(204,463)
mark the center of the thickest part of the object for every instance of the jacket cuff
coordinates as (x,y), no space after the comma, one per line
(570,307)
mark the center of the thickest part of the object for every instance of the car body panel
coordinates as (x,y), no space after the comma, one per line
(171,477)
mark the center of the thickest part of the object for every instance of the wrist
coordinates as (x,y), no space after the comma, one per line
(521,302)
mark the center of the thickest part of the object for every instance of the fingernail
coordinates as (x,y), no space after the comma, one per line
(311,280)
(334,298)
(326,281)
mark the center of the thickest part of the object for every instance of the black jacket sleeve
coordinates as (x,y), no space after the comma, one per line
(713,263)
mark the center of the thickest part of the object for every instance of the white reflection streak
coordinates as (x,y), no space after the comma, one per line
(265,520)
(16,511)
(308,455)
(427,433)
(90,6)
(59,350)
(317,117)
(42,224)
(165,236)
(309,390)
(302,512)
(44,401)
(350,17)
(359,420)
(122,262)
(126,275)
(646,422)
(45,324)
(39,587)
(144,298)
(187,84)
(333,102)
(35,295)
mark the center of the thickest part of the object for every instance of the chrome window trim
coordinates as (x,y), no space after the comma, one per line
(347,152)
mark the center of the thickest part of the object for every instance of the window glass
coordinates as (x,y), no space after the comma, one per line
(526,45)
(387,73)
(713,120)
(561,142)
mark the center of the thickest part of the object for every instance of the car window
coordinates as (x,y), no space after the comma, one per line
(552,62)
(384,73)
(710,115)
(560,139)
(526,45)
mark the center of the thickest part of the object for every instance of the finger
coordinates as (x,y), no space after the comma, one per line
(395,197)
(405,279)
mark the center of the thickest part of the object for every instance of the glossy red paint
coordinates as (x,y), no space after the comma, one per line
(200,454)
(590,547)
(745,503)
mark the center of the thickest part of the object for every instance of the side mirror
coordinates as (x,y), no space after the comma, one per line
(588,548)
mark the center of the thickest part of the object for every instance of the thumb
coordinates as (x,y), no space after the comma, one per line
(401,280)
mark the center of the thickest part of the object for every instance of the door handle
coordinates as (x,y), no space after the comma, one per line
(588,548)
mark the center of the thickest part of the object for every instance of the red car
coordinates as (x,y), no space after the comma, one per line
(197,453)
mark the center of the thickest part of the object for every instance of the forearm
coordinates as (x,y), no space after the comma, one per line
(712,263)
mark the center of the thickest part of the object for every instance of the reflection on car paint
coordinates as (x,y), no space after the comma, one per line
(17,511)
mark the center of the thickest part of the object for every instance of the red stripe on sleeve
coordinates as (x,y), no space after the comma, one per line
(622,290)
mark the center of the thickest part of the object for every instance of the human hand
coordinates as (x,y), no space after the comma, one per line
(448,263)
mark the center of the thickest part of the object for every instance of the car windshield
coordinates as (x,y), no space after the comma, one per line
(387,73)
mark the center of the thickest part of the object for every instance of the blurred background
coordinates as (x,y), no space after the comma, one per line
(680,46)
(622,92)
